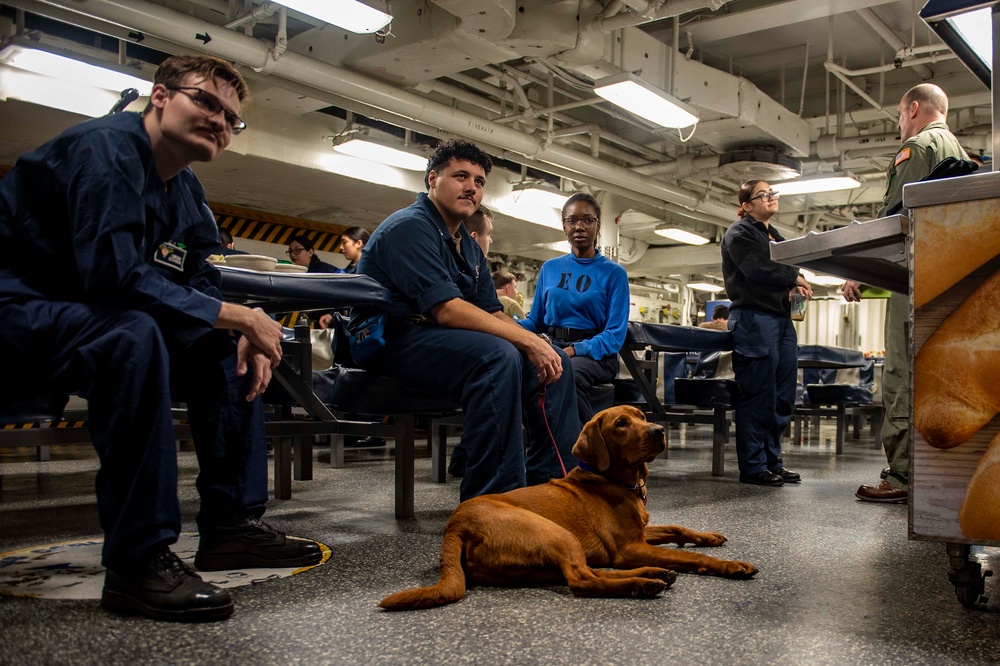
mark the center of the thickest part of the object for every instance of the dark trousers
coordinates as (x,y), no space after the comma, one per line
(765,358)
(121,363)
(588,372)
(495,384)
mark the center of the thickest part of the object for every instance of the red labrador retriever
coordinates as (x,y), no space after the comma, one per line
(561,530)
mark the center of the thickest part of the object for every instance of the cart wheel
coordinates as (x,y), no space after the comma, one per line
(968,593)
(966,575)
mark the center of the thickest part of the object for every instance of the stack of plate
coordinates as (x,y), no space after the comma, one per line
(254,262)
(290,268)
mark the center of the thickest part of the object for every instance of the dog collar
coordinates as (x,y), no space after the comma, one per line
(639,488)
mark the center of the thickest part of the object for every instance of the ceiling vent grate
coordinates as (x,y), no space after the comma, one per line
(768,163)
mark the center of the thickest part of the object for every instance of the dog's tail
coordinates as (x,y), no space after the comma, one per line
(449,589)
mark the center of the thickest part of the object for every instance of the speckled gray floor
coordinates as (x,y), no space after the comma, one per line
(839,582)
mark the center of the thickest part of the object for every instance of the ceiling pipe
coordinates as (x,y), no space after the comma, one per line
(182,30)
(892,66)
(845,76)
(891,38)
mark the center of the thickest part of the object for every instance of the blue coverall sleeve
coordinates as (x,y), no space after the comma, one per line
(108,220)
(610,340)
(409,253)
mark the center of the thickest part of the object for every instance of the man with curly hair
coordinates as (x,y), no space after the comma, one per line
(445,333)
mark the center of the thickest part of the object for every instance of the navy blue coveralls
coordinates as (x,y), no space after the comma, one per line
(413,255)
(105,291)
(765,349)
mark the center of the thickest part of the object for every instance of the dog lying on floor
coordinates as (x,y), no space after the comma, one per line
(559,531)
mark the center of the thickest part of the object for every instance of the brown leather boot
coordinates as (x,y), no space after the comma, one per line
(884,492)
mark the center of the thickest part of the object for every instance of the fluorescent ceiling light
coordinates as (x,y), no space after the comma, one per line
(680,235)
(534,195)
(560,246)
(71,70)
(383,153)
(350,15)
(706,286)
(815,185)
(645,100)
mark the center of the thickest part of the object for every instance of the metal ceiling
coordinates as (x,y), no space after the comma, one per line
(817,80)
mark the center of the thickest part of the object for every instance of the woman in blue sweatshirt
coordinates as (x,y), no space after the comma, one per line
(581,302)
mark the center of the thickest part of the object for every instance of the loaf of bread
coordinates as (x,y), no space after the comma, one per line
(950,242)
(979,515)
(956,390)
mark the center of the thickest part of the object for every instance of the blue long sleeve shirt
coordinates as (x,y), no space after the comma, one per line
(583,294)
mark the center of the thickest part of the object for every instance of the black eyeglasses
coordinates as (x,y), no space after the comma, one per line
(766,196)
(586,221)
(294,251)
(211,105)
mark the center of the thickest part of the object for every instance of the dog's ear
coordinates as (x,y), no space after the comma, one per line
(590,447)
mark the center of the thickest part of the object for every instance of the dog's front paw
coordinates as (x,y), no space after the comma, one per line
(708,539)
(648,589)
(737,569)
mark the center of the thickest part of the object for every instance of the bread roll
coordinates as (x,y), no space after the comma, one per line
(979,515)
(956,390)
(958,239)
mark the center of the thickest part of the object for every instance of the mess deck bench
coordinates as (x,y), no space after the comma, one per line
(705,401)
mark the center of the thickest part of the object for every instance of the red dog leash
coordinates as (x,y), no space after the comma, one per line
(552,438)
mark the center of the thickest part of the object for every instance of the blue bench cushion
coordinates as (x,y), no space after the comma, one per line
(706,392)
(303,292)
(820,356)
(38,410)
(664,337)
(359,391)
(835,394)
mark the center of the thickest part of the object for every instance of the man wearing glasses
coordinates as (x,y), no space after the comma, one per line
(765,350)
(105,292)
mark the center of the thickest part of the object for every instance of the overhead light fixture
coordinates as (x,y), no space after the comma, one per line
(351,15)
(680,235)
(967,28)
(562,247)
(72,70)
(645,100)
(67,82)
(536,194)
(706,286)
(814,185)
(375,150)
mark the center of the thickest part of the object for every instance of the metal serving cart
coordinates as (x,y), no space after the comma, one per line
(881,253)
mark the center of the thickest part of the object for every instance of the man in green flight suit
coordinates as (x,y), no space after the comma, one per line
(923,113)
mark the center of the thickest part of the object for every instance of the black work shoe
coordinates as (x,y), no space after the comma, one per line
(165,589)
(763,478)
(884,474)
(787,475)
(250,544)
